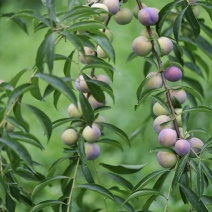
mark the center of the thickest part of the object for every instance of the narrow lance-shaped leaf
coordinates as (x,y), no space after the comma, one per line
(67,65)
(198,109)
(200,180)
(123,203)
(44,204)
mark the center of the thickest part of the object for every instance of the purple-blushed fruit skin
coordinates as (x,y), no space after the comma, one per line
(173,74)
(92,151)
(196,144)
(167,137)
(80,84)
(103,78)
(182,147)
(69,137)
(180,95)
(155,80)
(112,5)
(166,45)
(167,159)
(91,134)
(148,16)
(160,120)
(94,103)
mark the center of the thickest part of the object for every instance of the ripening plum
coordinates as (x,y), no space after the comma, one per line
(69,137)
(160,120)
(100,52)
(145,33)
(141,46)
(103,78)
(112,5)
(196,144)
(92,151)
(173,74)
(148,16)
(99,119)
(81,85)
(91,134)
(94,103)
(178,112)
(136,10)
(155,80)
(166,45)
(123,16)
(158,110)
(9,127)
(75,112)
(167,159)
(87,57)
(182,147)
(102,17)
(167,137)
(180,95)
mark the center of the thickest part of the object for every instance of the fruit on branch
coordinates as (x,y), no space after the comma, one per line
(123,16)
(158,110)
(141,46)
(102,17)
(154,81)
(81,85)
(167,137)
(145,33)
(99,119)
(109,34)
(112,5)
(101,53)
(94,103)
(180,95)
(167,159)
(9,127)
(75,112)
(91,134)
(162,122)
(182,147)
(92,151)
(196,144)
(166,45)
(148,16)
(173,74)
(69,137)
(103,78)
(86,57)
(136,10)
(178,112)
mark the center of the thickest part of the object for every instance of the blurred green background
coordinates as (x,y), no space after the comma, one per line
(18,51)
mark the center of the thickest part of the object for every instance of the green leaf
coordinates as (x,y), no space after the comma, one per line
(207,171)
(36,91)
(207,200)
(10,203)
(194,199)
(193,67)
(87,173)
(198,109)
(19,150)
(98,188)
(14,80)
(36,191)
(62,121)
(184,180)
(179,170)
(81,146)
(3,189)
(206,6)
(43,118)
(67,65)
(110,142)
(60,85)
(123,203)
(161,102)
(200,180)
(207,144)
(122,168)
(204,45)
(193,92)
(44,204)
(151,61)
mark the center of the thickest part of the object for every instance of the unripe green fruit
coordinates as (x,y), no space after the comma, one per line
(69,137)
(92,151)
(87,57)
(141,46)
(123,16)
(99,119)
(136,10)
(167,159)
(103,78)
(94,103)
(173,74)
(148,16)
(180,95)
(182,147)
(9,127)
(166,45)
(101,53)
(167,137)
(75,112)
(112,5)
(154,81)
(178,112)
(109,34)
(81,85)
(145,33)
(158,110)
(196,144)
(102,16)
(91,134)
(160,120)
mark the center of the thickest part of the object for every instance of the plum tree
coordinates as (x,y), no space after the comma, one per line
(167,137)
(196,144)
(154,81)
(69,137)
(148,16)
(123,16)
(166,45)
(103,78)
(112,5)
(141,46)
(180,95)
(86,57)
(81,85)
(173,74)
(75,112)
(102,16)
(182,147)
(162,122)
(92,150)
(91,134)
(167,159)
(158,110)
